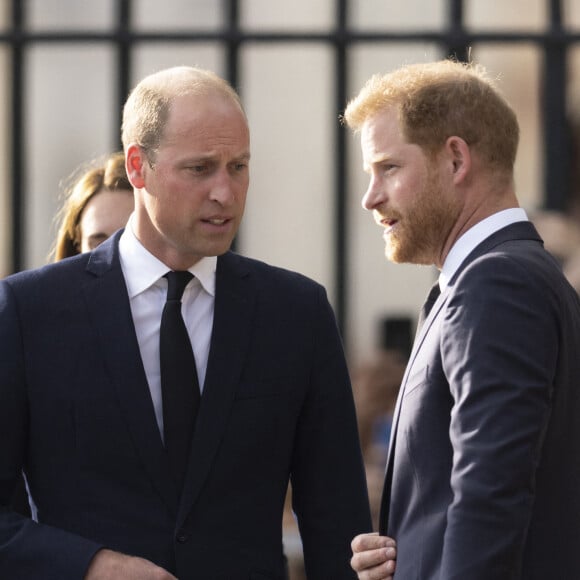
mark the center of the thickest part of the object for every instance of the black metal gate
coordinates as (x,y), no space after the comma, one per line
(454,39)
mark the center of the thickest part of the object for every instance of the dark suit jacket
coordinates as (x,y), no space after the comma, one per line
(483,478)
(75,410)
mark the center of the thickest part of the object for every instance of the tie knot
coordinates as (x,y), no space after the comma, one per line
(428,304)
(433,294)
(431,297)
(176,283)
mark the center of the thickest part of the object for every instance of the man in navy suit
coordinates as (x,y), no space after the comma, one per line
(81,408)
(483,472)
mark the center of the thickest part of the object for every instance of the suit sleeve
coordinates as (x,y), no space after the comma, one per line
(328,479)
(499,349)
(28,550)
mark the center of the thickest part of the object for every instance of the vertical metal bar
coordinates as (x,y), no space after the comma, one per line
(457,47)
(232,17)
(18,153)
(124,46)
(233,44)
(341,170)
(557,144)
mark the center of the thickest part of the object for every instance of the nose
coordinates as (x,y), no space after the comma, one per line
(223,188)
(374,195)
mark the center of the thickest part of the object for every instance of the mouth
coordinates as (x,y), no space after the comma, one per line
(216,221)
(388,223)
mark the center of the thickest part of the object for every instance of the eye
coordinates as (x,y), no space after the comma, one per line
(197,169)
(239,167)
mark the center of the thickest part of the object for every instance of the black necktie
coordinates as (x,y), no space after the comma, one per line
(428,304)
(179,384)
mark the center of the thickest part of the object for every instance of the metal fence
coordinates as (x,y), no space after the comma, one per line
(454,39)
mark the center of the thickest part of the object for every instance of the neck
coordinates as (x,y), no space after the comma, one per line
(476,209)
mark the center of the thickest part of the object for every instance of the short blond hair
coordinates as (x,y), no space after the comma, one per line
(437,100)
(147,108)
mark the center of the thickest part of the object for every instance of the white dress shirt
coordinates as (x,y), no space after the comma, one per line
(473,237)
(147,290)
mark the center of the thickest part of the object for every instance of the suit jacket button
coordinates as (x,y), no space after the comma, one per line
(182,536)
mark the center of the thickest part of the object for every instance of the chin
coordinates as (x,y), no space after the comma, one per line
(393,254)
(220,249)
(396,259)
(398,255)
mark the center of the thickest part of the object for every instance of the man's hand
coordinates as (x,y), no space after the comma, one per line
(109,565)
(373,557)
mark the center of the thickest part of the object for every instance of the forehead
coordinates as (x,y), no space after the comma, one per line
(381,130)
(382,140)
(202,118)
(106,210)
(106,201)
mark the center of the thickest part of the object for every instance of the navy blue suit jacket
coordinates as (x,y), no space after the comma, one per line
(76,414)
(483,477)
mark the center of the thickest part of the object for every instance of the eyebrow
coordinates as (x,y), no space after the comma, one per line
(97,236)
(243,157)
(211,157)
(376,161)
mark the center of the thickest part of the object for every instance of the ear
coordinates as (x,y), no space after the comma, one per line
(135,162)
(459,155)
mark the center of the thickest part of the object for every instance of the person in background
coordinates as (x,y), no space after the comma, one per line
(483,471)
(376,381)
(98,204)
(161,391)
(561,235)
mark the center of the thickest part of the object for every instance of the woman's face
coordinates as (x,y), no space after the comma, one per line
(105,213)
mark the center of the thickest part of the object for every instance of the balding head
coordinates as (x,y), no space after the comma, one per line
(147,108)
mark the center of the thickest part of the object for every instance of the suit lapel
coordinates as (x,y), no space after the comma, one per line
(231,334)
(384,515)
(110,312)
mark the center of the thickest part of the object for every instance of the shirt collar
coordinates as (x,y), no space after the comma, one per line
(142,269)
(473,237)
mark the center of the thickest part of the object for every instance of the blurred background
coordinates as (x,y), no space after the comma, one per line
(67,67)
